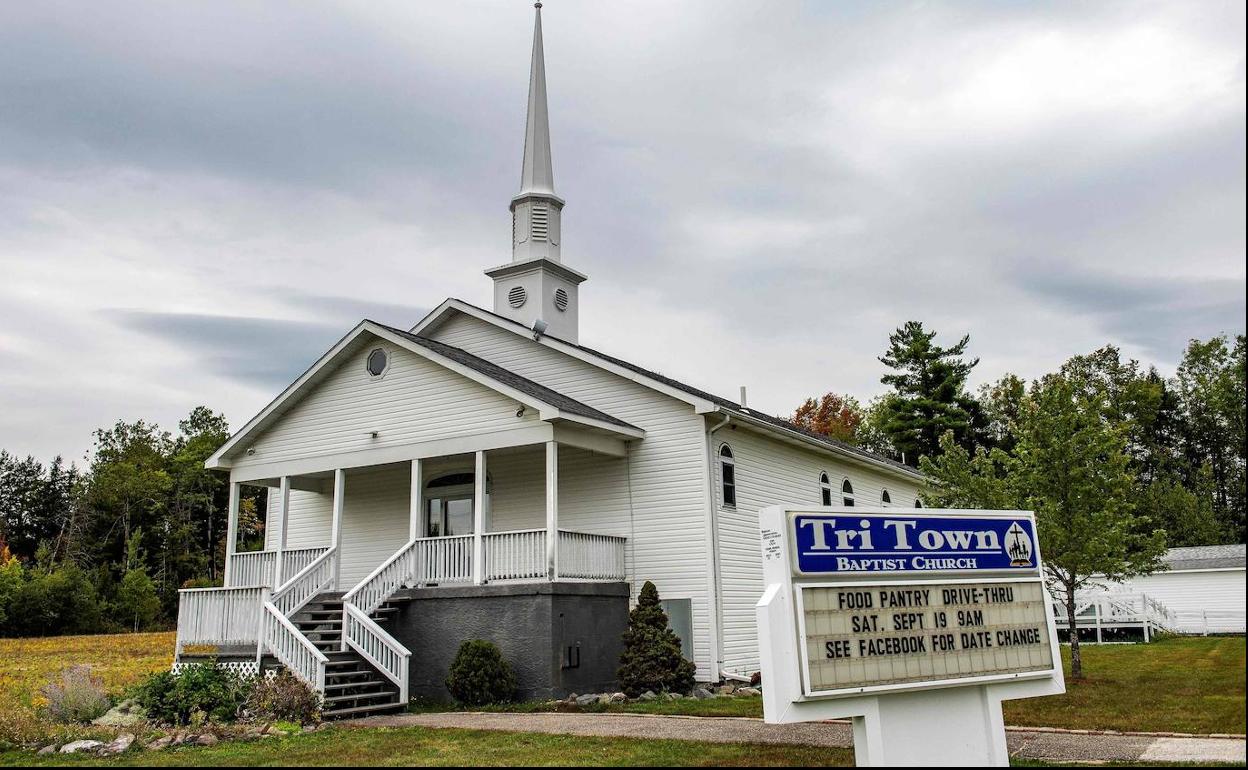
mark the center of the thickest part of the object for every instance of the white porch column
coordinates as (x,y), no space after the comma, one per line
(335,530)
(231,528)
(284,496)
(478,520)
(415,509)
(552,510)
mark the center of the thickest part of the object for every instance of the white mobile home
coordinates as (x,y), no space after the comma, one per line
(483,473)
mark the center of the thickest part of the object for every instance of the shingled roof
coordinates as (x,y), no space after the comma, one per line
(728,405)
(511,379)
(1205,557)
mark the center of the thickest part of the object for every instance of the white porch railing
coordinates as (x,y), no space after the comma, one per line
(1111,611)
(252,568)
(583,556)
(255,568)
(362,634)
(443,560)
(314,578)
(292,648)
(516,555)
(219,616)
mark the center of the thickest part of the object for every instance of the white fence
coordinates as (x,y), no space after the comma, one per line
(1205,622)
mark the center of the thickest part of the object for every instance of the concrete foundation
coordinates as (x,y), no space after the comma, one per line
(559,637)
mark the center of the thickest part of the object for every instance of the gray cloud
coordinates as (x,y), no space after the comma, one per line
(784,183)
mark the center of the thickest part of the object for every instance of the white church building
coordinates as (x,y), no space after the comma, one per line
(484,474)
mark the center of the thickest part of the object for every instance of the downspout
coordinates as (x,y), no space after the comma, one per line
(716,604)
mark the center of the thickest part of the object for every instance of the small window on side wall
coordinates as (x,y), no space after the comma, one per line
(918,503)
(885,498)
(847,492)
(727,477)
(825,489)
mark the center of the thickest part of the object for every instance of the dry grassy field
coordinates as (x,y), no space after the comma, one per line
(26,665)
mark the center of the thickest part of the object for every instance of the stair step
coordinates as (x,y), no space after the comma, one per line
(357,710)
(368,685)
(373,697)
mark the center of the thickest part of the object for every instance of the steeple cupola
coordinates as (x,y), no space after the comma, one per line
(536,285)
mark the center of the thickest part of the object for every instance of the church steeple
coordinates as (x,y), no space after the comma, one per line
(535,285)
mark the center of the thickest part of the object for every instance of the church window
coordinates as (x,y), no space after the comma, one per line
(727,477)
(847,492)
(377,362)
(825,489)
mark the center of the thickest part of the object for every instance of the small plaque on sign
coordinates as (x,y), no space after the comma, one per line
(859,637)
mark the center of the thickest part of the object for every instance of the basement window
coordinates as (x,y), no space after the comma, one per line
(377,363)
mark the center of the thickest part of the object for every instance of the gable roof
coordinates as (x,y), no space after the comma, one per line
(700,399)
(1205,557)
(550,404)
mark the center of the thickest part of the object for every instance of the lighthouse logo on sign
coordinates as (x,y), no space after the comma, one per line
(1018,545)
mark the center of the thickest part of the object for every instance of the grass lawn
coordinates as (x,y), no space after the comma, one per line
(426,747)
(1176,684)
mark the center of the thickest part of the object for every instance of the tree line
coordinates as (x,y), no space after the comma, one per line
(106,547)
(1117,462)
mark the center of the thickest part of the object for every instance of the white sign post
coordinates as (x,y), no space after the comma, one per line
(916,623)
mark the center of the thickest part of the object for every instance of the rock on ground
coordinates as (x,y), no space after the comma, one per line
(77,746)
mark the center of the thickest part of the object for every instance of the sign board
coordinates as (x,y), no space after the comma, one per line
(871,612)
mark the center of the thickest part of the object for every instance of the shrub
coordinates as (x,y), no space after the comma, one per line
(50,604)
(479,674)
(199,691)
(651,659)
(78,697)
(284,697)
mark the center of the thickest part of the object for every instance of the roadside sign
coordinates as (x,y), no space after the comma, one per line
(872,613)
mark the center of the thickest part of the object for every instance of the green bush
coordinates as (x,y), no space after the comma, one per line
(651,659)
(284,697)
(199,692)
(479,675)
(77,697)
(62,601)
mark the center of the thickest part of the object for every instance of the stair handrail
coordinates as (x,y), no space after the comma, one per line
(362,634)
(365,594)
(292,595)
(286,643)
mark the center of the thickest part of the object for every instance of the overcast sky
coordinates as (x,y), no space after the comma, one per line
(198,198)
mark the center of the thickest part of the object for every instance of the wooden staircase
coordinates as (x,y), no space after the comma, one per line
(353,688)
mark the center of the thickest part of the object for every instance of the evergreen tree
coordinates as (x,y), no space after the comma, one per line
(651,659)
(929,393)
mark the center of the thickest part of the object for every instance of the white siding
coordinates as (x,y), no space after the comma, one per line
(311,514)
(374,519)
(664,473)
(772,472)
(1190,594)
(416,400)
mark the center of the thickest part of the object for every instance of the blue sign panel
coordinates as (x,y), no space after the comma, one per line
(847,543)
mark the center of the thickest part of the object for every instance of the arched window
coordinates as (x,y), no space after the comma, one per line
(727,477)
(825,489)
(847,492)
(885,499)
(918,503)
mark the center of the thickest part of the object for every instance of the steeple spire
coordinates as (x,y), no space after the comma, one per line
(537,177)
(536,288)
